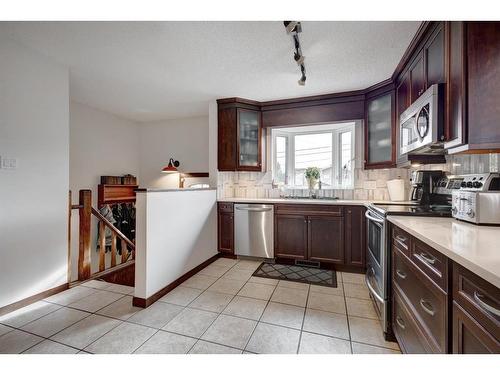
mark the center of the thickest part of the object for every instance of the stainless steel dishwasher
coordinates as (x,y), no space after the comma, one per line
(254,230)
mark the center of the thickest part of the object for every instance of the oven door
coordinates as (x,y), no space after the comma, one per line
(376,263)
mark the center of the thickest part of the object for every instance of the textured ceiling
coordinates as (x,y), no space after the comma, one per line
(159,70)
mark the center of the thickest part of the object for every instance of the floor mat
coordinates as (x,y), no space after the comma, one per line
(308,275)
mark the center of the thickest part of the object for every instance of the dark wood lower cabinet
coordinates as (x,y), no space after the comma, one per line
(355,236)
(225,228)
(290,236)
(456,313)
(326,239)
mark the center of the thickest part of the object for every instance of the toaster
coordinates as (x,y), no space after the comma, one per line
(476,207)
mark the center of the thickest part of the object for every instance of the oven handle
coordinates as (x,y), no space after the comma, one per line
(372,289)
(376,219)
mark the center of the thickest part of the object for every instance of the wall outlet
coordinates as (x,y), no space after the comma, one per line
(8,163)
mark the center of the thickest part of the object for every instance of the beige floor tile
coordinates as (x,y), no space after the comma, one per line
(97,284)
(358,348)
(227,286)
(15,342)
(369,331)
(181,296)
(326,302)
(204,347)
(230,331)
(290,296)
(4,329)
(96,301)
(124,339)
(255,290)
(54,322)
(166,343)
(283,315)
(263,280)
(71,295)
(249,265)
(191,322)
(338,291)
(211,301)
(214,270)
(50,347)
(293,285)
(225,262)
(238,274)
(326,323)
(311,343)
(356,291)
(245,307)
(361,308)
(199,281)
(123,289)
(353,278)
(121,309)
(27,314)
(270,339)
(86,331)
(157,315)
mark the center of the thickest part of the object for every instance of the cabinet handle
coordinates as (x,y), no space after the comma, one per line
(401,274)
(426,257)
(484,305)
(427,307)
(400,322)
(401,238)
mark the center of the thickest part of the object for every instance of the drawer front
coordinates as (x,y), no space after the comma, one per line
(426,301)
(478,297)
(308,209)
(406,330)
(401,240)
(431,262)
(226,207)
(470,337)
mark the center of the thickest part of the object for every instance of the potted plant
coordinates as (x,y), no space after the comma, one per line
(312,176)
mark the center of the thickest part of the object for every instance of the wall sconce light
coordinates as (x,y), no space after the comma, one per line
(171,167)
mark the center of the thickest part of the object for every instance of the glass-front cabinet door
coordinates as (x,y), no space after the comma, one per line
(249,140)
(379,149)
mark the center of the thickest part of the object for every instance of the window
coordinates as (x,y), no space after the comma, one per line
(327,147)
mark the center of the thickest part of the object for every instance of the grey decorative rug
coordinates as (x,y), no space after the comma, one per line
(299,274)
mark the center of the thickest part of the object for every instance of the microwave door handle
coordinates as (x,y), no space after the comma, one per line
(420,138)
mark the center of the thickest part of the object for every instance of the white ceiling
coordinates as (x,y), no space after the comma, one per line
(161,70)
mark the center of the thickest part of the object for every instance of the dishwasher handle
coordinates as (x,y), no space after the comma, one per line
(254,209)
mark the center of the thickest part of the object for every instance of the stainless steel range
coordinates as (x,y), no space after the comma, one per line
(437,198)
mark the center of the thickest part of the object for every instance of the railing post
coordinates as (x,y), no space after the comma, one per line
(85,211)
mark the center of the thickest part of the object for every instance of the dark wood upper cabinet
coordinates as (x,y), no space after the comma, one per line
(380,149)
(240,140)
(225,228)
(290,236)
(434,53)
(326,239)
(417,77)
(355,236)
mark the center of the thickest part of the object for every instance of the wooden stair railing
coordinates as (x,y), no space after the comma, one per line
(84,253)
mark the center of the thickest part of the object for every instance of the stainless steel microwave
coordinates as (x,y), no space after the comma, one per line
(421,125)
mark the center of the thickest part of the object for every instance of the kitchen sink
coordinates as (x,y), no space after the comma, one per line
(313,198)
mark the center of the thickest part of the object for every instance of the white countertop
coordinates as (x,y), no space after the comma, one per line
(343,202)
(475,247)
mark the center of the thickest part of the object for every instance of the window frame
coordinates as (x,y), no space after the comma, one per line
(336,131)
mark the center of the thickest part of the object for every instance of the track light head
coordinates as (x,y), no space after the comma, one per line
(292,26)
(299,59)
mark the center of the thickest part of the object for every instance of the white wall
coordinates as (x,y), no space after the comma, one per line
(101,144)
(34,128)
(176,231)
(185,140)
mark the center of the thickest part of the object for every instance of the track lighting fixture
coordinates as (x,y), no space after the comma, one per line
(294,28)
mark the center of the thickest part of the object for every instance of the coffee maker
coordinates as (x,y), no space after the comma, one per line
(423,184)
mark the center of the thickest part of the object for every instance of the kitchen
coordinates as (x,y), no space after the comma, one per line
(362,219)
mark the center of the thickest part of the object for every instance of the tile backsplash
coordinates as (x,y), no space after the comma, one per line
(368,184)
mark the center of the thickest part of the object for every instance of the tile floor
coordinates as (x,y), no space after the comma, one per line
(222,309)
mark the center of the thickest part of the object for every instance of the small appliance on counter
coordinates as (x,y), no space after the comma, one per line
(478,199)
(425,185)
